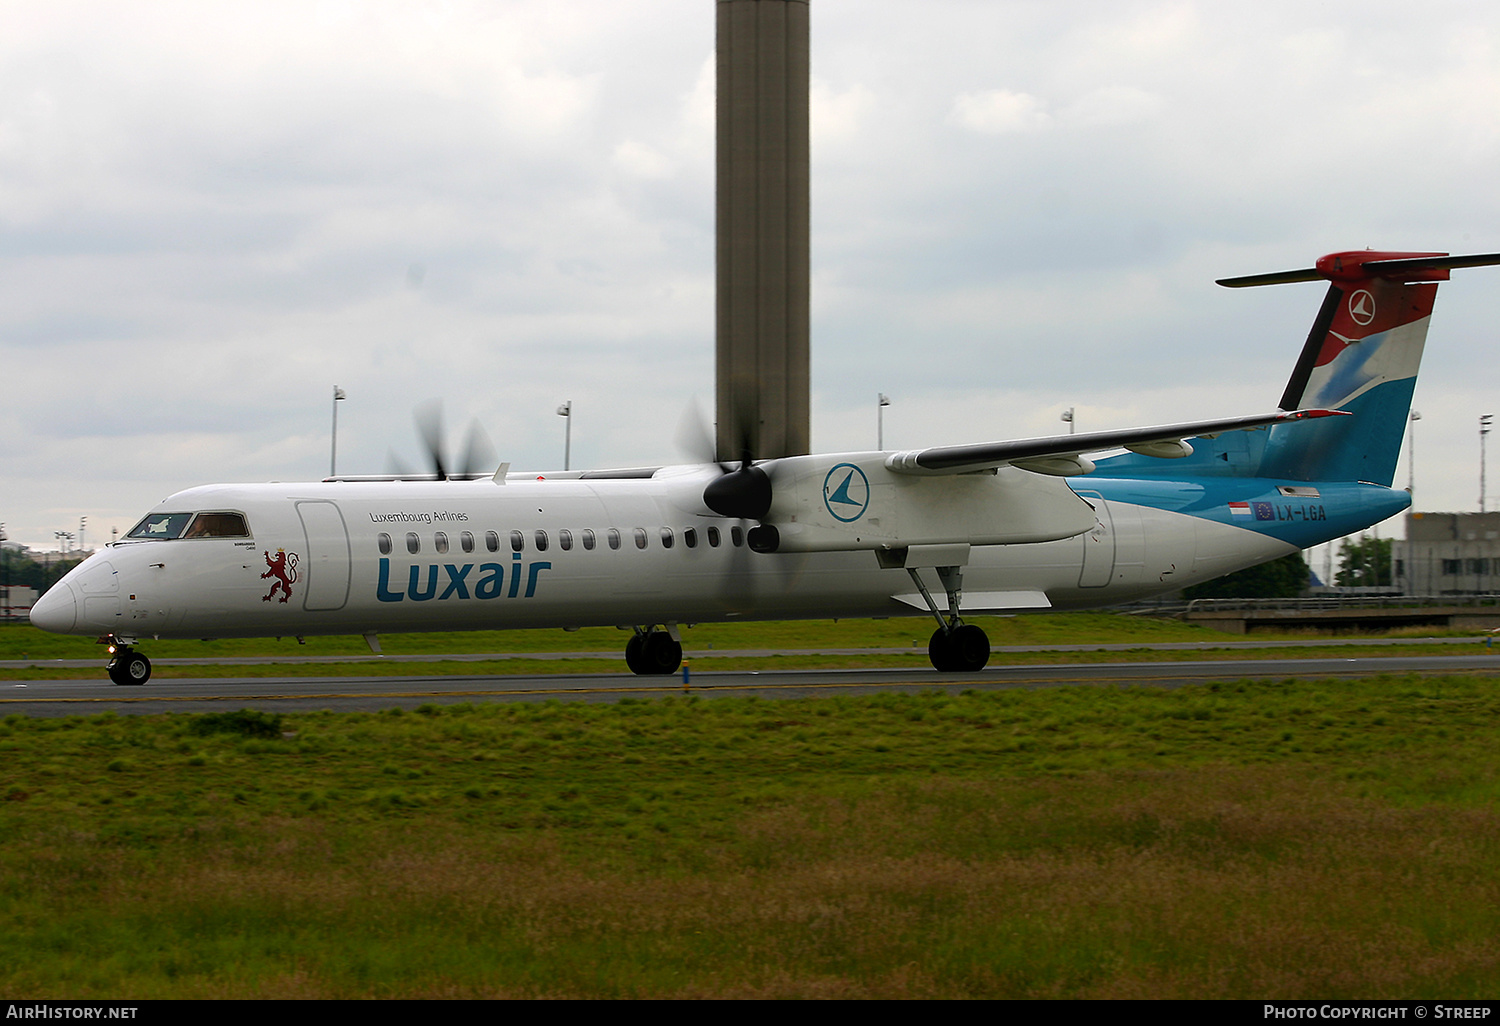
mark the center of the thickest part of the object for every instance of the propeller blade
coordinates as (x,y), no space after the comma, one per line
(479,454)
(429,417)
(394,465)
(694,438)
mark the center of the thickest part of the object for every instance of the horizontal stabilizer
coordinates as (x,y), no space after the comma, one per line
(1350,266)
(1274,278)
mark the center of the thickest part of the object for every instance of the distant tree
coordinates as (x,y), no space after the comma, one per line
(25,572)
(1280,578)
(1365,564)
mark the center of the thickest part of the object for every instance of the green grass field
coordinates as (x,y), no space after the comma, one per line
(1286,840)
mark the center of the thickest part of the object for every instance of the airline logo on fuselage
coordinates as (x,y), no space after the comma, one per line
(459,581)
(846,492)
(284,569)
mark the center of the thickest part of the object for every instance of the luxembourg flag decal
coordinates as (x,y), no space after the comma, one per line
(1240,509)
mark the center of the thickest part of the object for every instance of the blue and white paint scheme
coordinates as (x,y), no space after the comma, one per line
(1023,524)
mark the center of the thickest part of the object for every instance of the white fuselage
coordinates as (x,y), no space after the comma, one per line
(365,558)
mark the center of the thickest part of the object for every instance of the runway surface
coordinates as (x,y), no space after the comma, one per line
(918,648)
(300,694)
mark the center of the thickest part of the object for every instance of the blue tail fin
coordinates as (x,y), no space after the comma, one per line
(1361,356)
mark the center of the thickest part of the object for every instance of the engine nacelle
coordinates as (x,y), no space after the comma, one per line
(831,503)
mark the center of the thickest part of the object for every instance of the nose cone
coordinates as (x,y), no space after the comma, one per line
(56,611)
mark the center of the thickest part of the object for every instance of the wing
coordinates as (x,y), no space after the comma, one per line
(1062,455)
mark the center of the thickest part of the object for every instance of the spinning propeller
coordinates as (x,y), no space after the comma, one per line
(479,456)
(742,491)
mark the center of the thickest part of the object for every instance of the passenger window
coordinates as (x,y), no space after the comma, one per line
(713,537)
(640,537)
(690,537)
(666,537)
(588,540)
(440,542)
(466,541)
(736,536)
(218,525)
(564,539)
(384,541)
(492,541)
(614,538)
(517,541)
(413,543)
(541,541)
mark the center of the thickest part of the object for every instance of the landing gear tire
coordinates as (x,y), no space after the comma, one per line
(633,657)
(964,649)
(939,650)
(653,655)
(663,655)
(129,668)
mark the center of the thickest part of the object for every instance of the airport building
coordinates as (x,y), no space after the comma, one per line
(1448,554)
(15,602)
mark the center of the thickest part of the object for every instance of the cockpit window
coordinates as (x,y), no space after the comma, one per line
(166,526)
(218,525)
(161,525)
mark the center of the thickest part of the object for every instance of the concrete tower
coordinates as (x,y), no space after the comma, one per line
(762,389)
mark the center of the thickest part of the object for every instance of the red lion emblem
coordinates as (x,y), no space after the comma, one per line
(284,569)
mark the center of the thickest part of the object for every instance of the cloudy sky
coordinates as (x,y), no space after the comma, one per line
(212,213)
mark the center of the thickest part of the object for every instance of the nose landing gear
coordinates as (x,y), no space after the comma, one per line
(127,666)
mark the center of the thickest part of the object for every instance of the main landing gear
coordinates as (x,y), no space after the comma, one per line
(956,647)
(126,665)
(654,651)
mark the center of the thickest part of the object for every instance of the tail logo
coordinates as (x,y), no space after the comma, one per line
(1362,307)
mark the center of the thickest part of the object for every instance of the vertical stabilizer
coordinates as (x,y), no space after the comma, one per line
(1362,357)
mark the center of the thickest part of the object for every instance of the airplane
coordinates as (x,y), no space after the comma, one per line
(1002,526)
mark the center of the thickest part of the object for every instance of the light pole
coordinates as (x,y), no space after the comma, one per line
(333,454)
(565,411)
(1411,489)
(881,402)
(1067,418)
(82,523)
(1484,429)
(1411,451)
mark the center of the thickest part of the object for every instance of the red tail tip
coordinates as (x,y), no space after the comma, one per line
(1350,266)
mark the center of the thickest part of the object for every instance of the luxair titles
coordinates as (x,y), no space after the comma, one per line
(490,580)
